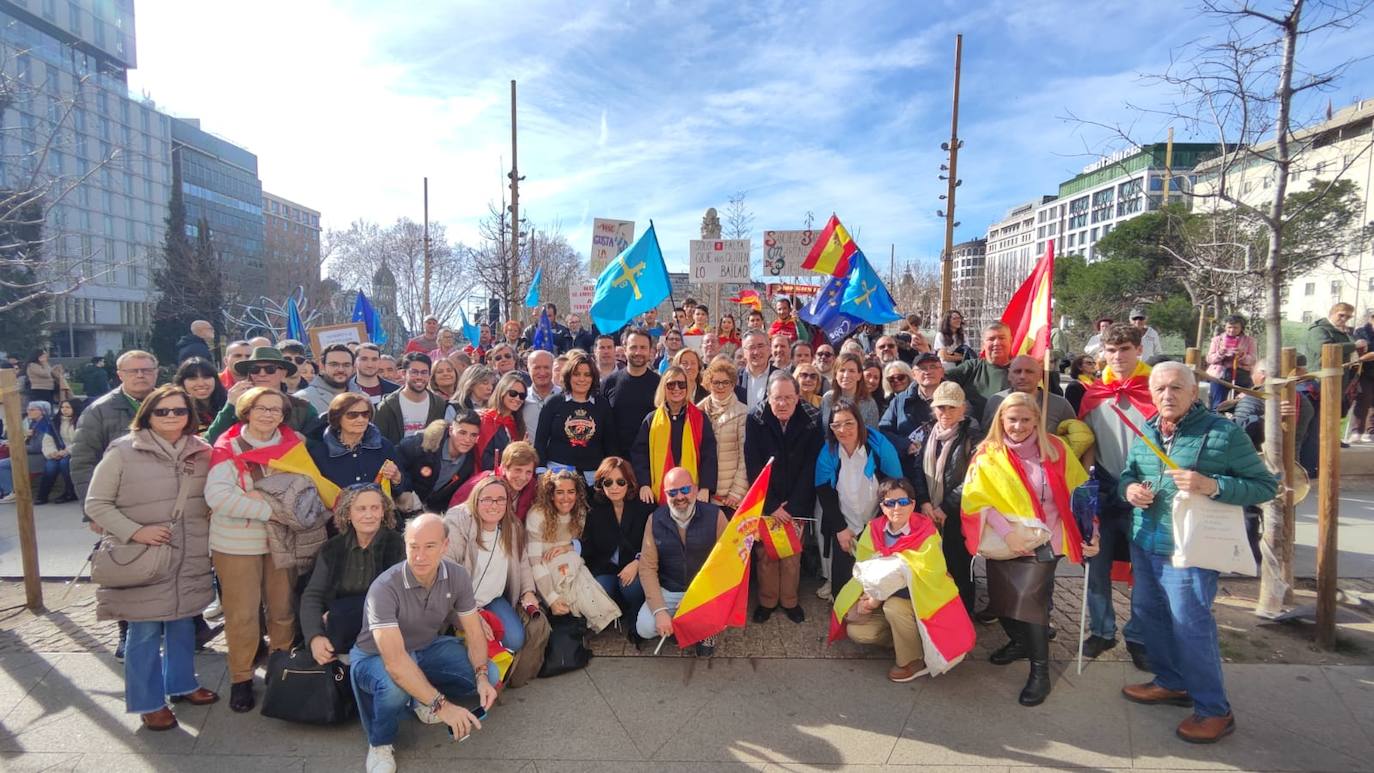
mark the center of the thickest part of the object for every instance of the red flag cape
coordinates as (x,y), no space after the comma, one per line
(1112,388)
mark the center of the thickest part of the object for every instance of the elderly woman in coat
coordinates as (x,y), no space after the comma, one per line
(149,490)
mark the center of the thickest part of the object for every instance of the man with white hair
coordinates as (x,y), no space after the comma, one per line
(541,388)
(401,661)
(1214,459)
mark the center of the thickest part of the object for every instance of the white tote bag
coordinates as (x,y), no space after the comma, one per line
(1211,535)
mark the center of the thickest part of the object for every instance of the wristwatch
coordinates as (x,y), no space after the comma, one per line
(437,703)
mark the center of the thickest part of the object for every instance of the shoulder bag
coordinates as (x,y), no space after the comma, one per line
(117,564)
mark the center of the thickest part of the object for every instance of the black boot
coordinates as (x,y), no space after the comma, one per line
(1038,684)
(1015,649)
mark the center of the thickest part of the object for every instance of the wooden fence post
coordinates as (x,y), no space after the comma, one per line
(1328,493)
(23,490)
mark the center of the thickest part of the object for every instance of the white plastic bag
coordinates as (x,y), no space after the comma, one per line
(1211,535)
(882,576)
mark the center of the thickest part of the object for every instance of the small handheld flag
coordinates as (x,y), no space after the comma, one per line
(364,313)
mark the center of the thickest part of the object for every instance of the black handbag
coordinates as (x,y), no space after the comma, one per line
(301,690)
(566,650)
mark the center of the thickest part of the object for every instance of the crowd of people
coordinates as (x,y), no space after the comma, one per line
(321,500)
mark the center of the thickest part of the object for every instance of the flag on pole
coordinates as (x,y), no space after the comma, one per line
(1029,314)
(719,595)
(470,331)
(543,333)
(532,297)
(865,295)
(832,250)
(748,297)
(631,284)
(824,311)
(294,328)
(364,313)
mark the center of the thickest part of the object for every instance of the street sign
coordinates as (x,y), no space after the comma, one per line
(784,251)
(609,239)
(714,261)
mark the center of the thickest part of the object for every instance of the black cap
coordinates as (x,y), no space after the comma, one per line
(926,357)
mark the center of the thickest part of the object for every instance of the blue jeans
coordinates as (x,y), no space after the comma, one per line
(514,635)
(51,469)
(1115,530)
(380,700)
(1174,607)
(629,597)
(150,673)
(644,624)
(6,477)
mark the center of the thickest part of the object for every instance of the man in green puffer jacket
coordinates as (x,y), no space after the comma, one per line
(1174,605)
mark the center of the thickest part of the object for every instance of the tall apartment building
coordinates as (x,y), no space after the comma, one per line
(1343,144)
(220,185)
(1010,256)
(967,282)
(98,157)
(291,249)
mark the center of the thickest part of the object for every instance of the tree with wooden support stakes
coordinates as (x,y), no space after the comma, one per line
(23,488)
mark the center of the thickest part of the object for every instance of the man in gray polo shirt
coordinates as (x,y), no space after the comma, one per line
(400,660)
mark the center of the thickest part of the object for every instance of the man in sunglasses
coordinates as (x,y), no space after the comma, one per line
(268,368)
(677,541)
(413,407)
(824,360)
(336,368)
(886,348)
(294,351)
(439,460)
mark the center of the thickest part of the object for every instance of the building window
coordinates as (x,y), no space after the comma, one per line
(1102,205)
(1078,212)
(1310,288)
(1335,287)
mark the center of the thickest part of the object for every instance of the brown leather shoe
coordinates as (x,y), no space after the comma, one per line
(1197,729)
(908,672)
(199,697)
(1151,694)
(162,719)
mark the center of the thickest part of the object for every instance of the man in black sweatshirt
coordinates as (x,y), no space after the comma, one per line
(630,391)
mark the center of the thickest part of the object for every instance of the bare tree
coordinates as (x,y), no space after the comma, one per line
(739,219)
(917,289)
(507,278)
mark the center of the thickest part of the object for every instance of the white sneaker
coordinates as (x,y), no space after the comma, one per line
(823,592)
(1368,437)
(8,498)
(426,715)
(381,759)
(214,611)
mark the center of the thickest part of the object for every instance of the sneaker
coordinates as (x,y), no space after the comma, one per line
(823,592)
(1368,437)
(381,759)
(214,611)
(8,498)
(426,714)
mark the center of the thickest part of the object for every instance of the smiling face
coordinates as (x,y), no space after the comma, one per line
(267,413)
(637,350)
(200,387)
(873,378)
(847,375)
(519,475)
(580,379)
(1018,423)
(492,503)
(170,424)
(417,376)
(564,495)
(997,345)
(462,437)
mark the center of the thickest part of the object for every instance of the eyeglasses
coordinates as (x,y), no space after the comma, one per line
(139,371)
(898,502)
(357,414)
(679,492)
(491,501)
(721,383)
(846,424)
(676,385)
(163,413)
(335,364)
(502,356)
(516,393)
(825,355)
(296,358)
(261,370)
(608,482)
(268,410)
(808,375)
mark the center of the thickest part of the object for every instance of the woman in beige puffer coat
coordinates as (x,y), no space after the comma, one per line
(132,498)
(727,415)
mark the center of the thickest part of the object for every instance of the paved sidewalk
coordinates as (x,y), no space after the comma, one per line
(65,712)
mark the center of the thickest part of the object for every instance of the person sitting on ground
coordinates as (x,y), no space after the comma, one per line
(554,524)
(57,439)
(438,461)
(677,540)
(898,531)
(614,532)
(575,425)
(366,545)
(401,660)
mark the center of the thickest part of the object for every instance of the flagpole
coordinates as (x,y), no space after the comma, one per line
(1083,615)
(947,264)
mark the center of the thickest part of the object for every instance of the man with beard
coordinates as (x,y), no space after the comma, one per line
(784,324)
(410,409)
(677,541)
(367,377)
(985,376)
(630,391)
(336,368)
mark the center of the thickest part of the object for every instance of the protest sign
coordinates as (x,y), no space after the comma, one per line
(580,297)
(609,239)
(784,251)
(328,335)
(714,261)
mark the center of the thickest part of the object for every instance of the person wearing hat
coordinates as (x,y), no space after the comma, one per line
(945,446)
(265,367)
(1150,345)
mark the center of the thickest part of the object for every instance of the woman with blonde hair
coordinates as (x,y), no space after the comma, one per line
(690,362)
(809,383)
(475,387)
(443,378)
(558,517)
(1016,513)
(727,416)
(675,434)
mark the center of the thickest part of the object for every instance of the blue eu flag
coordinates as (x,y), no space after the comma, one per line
(364,313)
(543,333)
(824,311)
(633,283)
(866,297)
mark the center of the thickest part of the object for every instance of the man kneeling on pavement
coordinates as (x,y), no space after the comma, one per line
(400,661)
(677,542)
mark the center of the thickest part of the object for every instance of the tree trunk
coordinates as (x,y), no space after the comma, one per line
(1276,575)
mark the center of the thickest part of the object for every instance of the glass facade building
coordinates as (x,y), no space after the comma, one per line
(220,186)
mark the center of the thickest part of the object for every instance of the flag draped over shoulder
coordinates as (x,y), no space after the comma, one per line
(946,631)
(364,313)
(832,250)
(662,457)
(1135,389)
(719,595)
(289,455)
(997,479)
(631,284)
(1029,313)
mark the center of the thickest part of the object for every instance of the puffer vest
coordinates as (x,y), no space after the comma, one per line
(678,563)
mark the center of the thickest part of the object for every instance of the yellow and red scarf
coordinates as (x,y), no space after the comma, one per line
(662,458)
(997,479)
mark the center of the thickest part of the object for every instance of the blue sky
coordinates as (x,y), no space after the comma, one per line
(641,110)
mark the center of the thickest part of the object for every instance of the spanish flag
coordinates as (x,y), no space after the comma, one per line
(719,595)
(997,479)
(289,455)
(832,250)
(662,457)
(780,540)
(1029,313)
(946,631)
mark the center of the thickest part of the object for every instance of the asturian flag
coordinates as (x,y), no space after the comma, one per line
(1029,314)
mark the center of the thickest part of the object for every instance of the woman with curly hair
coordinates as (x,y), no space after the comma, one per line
(557,518)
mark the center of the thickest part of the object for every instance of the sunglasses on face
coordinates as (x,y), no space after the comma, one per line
(262,370)
(608,482)
(676,385)
(516,393)
(357,414)
(296,358)
(163,413)
(897,502)
(825,355)
(501,356)
(897,378)
(679,492)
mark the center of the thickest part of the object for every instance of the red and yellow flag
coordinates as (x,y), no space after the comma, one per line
(832,250)
(662,458)
(1029,314)
(997,479)
(719,595)
(780,540)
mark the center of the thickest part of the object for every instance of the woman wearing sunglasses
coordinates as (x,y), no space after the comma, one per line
(940,463)
(727,416)
(849,469)
(1016,505)
(352,449)
(367,544)
(559,517)
(503,420)
(676,434)
(134,497)
(614,534)
(907,604)
(809,379)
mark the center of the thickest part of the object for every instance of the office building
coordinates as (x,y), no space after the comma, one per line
(967,281)
(291,249)
(1009,256)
